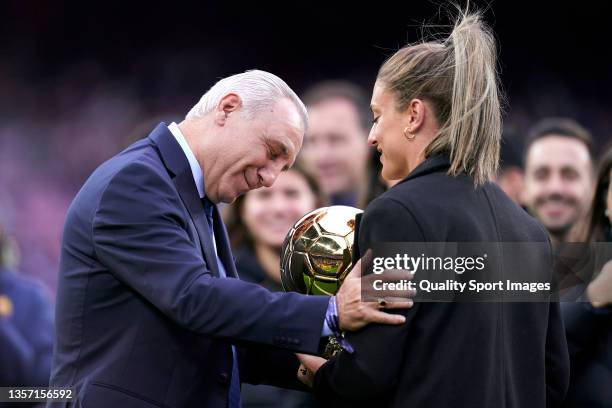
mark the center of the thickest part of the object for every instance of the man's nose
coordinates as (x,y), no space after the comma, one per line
(268,174)
(320,153)
(555,184)
(279,204)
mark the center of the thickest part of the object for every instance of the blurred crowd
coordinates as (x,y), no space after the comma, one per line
(51,140)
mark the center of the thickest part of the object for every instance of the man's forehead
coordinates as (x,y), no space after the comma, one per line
(337,118)
(285,110)
(558,151)
(338,106)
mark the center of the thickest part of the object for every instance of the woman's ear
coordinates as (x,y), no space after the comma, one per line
(415,114)
(228,104)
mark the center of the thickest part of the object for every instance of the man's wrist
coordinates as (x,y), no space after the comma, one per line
(331,324)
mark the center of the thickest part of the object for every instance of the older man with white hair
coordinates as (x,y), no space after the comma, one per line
(147,311)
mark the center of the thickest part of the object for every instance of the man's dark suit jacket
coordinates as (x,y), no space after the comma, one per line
(451,354)
(143,319)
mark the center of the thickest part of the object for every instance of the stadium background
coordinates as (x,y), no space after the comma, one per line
(79,81)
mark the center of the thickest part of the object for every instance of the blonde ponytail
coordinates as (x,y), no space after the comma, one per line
(458,77)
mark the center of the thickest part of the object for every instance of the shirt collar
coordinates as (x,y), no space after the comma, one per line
(196,170)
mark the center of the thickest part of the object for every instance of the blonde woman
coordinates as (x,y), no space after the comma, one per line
(437,125)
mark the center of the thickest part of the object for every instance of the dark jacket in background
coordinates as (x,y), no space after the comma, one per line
(250,270)
(451,354)
(589,338)
(26,335)
(266,396)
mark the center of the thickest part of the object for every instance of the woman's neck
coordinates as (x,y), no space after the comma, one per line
(269,258)
(416,160)
(422,139)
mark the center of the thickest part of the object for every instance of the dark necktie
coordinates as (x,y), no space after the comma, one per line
(234,391)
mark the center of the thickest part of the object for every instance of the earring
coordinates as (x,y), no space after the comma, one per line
(407,135)
(607,213)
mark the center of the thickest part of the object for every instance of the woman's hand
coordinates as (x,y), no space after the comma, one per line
(599,291)
(308,368)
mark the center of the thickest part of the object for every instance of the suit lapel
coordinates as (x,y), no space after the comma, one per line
(185,185)
(223,245)
(175,161)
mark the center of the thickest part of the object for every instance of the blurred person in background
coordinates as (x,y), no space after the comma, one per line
(26,324)
(559,176)
(257,224)
(600,214)
(335,147)
(588,322)
(510,174)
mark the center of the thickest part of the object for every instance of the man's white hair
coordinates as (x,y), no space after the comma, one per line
(257,89)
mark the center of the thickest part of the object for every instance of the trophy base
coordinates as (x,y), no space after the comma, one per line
(331,348)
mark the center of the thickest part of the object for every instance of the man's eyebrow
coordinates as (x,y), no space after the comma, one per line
(566,167)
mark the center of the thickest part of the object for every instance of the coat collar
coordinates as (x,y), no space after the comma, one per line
(433,164)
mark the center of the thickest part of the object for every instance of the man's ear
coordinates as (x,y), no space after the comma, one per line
(228,104)
(415,115)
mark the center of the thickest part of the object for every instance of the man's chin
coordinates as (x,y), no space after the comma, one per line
(559,229)
(229,198)
(339,189)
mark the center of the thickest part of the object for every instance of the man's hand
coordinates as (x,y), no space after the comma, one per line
(354,313)
(308,368)
(599,291)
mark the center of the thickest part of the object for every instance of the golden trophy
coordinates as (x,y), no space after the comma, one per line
(317,254)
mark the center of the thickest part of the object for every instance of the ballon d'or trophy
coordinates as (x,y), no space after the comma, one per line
(317,255)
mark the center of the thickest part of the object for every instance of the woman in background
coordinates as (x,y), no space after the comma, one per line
(588,322)
(258,222)
(257,225)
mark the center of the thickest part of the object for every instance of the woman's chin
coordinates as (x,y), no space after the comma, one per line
(273,242)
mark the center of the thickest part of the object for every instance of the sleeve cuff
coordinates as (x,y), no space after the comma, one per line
(331,325)
(331,315)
